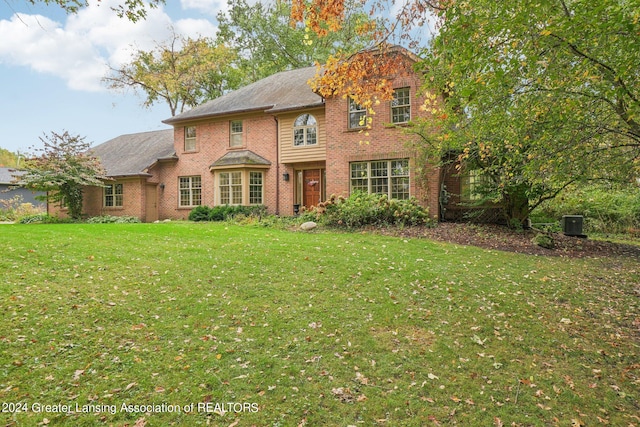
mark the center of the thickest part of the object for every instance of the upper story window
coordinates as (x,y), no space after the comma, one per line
(357,115)
(235,138)
(401,106)
(190,138)
(305,130)
(113,194)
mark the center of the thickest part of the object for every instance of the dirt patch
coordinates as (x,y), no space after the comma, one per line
(503,239)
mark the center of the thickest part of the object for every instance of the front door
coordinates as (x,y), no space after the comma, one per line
(311,187)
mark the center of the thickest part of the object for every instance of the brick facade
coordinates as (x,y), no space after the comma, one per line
(382,142)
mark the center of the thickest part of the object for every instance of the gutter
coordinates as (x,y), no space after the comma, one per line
(277,165)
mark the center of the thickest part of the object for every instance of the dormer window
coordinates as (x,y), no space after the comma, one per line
(305,130)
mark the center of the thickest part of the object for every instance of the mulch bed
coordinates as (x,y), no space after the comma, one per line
(503,239)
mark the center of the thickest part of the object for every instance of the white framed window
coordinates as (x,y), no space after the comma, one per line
(236,131)
(305,130)
(231,188)
(190,138)
(401,106)
(470,183)
(357,115)
(256,188)
(390,177)
(240,187)
(113,195)
(190,189)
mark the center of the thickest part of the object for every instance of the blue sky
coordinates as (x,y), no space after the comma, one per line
(51,65)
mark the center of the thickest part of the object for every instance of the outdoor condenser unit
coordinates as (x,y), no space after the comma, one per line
(572,225)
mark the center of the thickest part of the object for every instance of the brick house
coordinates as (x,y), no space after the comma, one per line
(274,142)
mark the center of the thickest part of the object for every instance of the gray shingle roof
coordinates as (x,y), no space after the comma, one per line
(280,92)
(7,175)
(237,158)
(133,154)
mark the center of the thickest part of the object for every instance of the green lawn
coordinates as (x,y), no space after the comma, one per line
(216,324)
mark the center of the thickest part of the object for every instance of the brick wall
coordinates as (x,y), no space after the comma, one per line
(93,200)
(383,142)
(212,142)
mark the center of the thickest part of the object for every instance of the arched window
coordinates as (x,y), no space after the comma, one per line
(305,130)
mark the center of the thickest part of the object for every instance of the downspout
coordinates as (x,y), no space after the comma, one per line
(277,165)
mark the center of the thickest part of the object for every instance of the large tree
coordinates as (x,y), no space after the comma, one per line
(267,42)
(535,94)
(181,72)
(62,169)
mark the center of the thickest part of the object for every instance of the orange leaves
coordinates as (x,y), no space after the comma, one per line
(321,16)
(365,77)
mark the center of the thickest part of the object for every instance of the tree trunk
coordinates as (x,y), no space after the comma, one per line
(516,207)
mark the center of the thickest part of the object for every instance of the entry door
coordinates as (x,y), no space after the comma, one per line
(311,187)
(151,208)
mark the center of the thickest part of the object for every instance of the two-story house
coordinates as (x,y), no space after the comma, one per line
(275,143)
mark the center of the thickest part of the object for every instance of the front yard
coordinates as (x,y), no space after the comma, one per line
(217,324)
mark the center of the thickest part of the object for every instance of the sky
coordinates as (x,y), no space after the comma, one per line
(51,66)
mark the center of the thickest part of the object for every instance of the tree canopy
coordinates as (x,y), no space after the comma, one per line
(182,72)
(8,158)
(62,169)
(267,42)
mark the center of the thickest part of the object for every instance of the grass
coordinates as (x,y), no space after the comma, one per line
(256,326)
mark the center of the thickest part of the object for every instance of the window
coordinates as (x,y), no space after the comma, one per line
(190,191)
(190,138)
(401,106)
(231,188)
(390,177)
(305,130)
(470,184)
(235,139)
(255,188)
(357,115)
(240,187)
(113,195)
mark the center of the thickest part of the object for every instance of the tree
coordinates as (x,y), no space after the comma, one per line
(133,10)
(182,72)
(536,94)
(539,94)
(8,158)
(267,42)
(62,169)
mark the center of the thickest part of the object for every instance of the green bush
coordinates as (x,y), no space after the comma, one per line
(112,219)
(226,212)
(40,218)
(605,208)
(362,209)
(200,213)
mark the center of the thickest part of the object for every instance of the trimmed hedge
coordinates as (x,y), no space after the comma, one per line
(225,212)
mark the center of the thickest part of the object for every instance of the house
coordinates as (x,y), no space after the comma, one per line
(274,143)
(9,190)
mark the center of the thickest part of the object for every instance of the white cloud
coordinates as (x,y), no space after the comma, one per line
(79,49)
(207,6)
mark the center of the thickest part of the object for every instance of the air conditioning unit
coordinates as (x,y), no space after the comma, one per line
(572,225)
